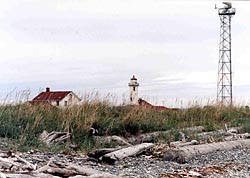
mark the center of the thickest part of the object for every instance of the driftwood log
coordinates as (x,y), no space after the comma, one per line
(30,166)
(19,176)
(194,129)
(126,152)
(154,136)
(144,138)
(183,154)
(52,169)
(182,144)
(41,175)
(208,136)
(86,171)
(237,137)
(111,139)
(54,137)
(100,152)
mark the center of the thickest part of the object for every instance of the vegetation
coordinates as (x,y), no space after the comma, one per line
(23,123)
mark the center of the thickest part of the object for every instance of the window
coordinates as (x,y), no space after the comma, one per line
(70,97)
(131,98)
(65,103)
(134,88)
(57,103)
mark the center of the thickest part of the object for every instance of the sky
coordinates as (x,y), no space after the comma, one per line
(172,47)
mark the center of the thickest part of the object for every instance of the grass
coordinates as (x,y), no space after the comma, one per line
(24,122)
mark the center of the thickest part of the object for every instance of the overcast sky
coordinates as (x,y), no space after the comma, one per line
(85,45)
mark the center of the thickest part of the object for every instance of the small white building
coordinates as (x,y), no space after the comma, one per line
(133,91)
(57,98)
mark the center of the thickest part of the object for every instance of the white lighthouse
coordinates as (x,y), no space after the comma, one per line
(133,91)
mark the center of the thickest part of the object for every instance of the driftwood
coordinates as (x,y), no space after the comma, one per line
(126,152)
(42,175)
(154,136)
(146,137)
(207,136)
(2,175)
(111,139)
(183,154)
(19,176)
(44,168)
(237,137)
(86,171)
(53,169)
(9,162)
(30,166)
(100,152)
(54,137)
(182,144)
(194,129)
(61,172)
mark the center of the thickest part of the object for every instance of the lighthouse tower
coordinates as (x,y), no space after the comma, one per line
(133,91)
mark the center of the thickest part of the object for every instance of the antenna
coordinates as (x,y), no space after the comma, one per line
(224,84)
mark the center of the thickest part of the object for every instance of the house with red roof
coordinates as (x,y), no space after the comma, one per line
(57,98)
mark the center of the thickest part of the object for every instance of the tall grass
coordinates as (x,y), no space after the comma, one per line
(24,122)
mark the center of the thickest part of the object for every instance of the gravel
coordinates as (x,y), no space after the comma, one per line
(234,163)
(229,164)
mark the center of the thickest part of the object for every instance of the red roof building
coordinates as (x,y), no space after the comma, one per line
(57,98)
(146,105)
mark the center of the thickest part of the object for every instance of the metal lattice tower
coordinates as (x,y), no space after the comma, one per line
(224,85)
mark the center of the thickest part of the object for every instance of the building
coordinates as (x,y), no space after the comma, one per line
(57,98)
(146,105)
(139,102)
(133,91)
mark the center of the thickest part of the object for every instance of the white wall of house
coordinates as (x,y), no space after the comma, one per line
(69,100)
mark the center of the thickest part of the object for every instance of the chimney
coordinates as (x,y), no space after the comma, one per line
(47,89)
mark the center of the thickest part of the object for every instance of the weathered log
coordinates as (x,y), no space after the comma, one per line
(181,144)
(100,152)
(7,161)
(147,137)
(153,136)
(61,172)
(218,133)
(111,139)
(44,168)
(43,175)
(194,129)
(30,166)
(79,176)
(19,176)
(86,171)
(143,138)
(183,154)
(126,152)
(2,175)
(54,137)
(237,137)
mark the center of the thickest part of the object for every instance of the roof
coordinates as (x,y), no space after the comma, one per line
(133,78)
(38,102)
(51,96)
(147,105)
